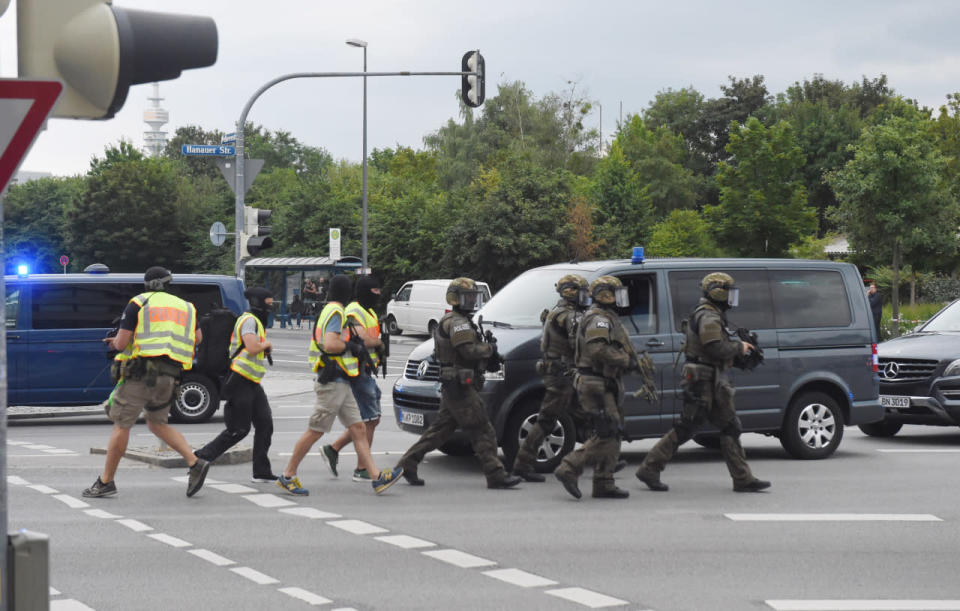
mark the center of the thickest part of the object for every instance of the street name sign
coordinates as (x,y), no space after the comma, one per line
(208,150)
(230,138)
(24,106)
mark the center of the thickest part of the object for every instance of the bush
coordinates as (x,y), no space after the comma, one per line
(939,288)
(910,317)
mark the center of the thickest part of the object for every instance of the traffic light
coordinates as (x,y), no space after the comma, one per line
(472,87)
(99,50)
(255,235)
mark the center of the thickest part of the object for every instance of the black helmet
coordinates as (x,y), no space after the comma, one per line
(368,291)
(157,278)
(339,289)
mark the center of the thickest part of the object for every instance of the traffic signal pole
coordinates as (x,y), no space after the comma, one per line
(240,190)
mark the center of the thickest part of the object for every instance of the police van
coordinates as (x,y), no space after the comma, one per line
(812,320)
(55,325)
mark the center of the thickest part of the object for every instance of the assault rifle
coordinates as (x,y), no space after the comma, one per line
(643,365)
(752,359)
(384,351)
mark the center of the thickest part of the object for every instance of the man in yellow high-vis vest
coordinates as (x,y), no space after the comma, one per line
(156,341)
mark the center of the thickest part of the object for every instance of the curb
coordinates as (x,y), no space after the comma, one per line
(170,459)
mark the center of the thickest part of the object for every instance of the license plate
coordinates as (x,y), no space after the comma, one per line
(412,418)
(894,401)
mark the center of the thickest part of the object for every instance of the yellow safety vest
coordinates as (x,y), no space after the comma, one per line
(370,323)
(349,364)
(250,367)
(165,327)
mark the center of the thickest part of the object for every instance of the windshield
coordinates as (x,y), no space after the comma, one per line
(947,320)
(520,303)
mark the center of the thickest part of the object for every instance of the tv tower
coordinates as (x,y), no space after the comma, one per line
(155,140)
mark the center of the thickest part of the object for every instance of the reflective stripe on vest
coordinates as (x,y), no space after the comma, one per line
(349,364)
(165,327)
(250,367)
(370,323)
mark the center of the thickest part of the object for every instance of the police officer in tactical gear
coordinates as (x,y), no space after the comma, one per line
(463,355)
(558,345)
(603,354)
(707,391)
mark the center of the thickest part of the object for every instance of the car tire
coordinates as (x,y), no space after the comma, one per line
(392,327)
(813,426)
(554,447)
(457,447)
(711,442)
(883,428)
(198,398)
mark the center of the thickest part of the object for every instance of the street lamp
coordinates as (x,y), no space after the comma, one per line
(355,42)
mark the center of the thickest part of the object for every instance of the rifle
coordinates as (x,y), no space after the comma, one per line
(359,350)
(495,360)
(754,358)
(644,366)
(384,351)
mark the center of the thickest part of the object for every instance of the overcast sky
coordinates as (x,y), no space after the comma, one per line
(618,51)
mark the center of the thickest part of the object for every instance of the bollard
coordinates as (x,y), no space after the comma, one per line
(28,571)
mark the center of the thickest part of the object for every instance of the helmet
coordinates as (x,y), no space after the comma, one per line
(720,288)
(608,290)
(157,278)
(464,295)
(570,285)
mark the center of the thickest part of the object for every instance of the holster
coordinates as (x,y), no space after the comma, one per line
(329,372)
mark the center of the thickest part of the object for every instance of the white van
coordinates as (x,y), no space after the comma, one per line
(419,304)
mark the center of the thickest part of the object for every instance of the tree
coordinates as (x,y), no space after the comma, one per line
(763,208)
(35,228)
(684,233)
(894,201)
(622,203)
(656,157)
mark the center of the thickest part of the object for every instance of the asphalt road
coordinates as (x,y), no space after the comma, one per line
(873,527)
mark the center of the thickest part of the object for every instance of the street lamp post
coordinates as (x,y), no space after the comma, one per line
(354,42)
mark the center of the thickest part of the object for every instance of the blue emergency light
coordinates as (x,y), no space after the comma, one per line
(23,270)
(637,254)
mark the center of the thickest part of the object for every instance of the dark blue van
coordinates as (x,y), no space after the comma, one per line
(55,327)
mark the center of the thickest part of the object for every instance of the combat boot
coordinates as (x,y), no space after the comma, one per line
(410,474)
(569,481)
(652,480)
(528,475)
(608,490)
(755,486)
(507,481)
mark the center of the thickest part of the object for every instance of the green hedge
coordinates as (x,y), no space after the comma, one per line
(910,317)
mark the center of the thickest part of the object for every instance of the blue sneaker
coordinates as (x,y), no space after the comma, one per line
(292,485)
(388,477)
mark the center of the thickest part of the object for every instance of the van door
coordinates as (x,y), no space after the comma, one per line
(18,348)
(401,306)
(649,332)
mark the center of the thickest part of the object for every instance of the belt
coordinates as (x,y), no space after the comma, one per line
(587,371)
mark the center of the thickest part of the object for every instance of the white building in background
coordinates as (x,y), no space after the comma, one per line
(155,140)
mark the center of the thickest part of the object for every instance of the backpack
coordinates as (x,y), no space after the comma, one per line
(213,353)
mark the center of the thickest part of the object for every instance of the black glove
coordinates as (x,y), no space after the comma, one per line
(493,362)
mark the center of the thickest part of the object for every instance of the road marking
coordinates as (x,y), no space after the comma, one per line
(99,513)
(267,500)
(520,578)
(308,597)
(864,605)
(35,446)
(170,540)
(254,576)
(405,541)
(60,451)
(69,501)
(54,592)
(72,454)
(183,479)
(43,489)
(211,557)
(310,512)
(16,480)
(587,598)
(357,527)
(135,525)
(458,558)
(233,488)
(832,517)
(17,443)
(920,451)
(69,604)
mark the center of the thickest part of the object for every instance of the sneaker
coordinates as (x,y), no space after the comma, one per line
(264,479)
(388,477)
(292,485)
(99,489)
(196,475)
(361,475)
(330,456)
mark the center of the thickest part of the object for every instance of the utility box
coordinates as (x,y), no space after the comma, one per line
(28,571)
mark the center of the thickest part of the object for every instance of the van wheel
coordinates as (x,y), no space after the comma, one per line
(197,399)
(555,446)
(884,428)
(392,327)
(431,327)
(708,441)
(457,447)
(813,426)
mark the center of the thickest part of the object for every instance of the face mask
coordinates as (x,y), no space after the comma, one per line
(733,297)
(621,296)
(583,298)
(471,301)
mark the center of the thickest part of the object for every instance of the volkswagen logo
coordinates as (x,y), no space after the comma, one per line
(422,369)
(890,371)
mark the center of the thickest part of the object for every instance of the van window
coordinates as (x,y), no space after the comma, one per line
(520,303)
(13,306)
(806,298)
(81,305)
(754,312)
(204,297)
(640,317)
(404,294)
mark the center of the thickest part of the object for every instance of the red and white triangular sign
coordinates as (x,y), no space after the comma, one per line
(24,106)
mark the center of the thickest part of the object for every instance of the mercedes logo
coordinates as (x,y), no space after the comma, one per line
(891,370)
(422,369)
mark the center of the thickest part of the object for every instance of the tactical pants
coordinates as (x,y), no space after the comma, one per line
(247,406)
(556,402)
(460,406)
(704,399)
(600,399)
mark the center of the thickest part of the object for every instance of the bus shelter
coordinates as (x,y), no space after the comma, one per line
(295,274)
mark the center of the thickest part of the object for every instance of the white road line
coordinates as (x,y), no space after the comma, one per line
(268,500)
(405,541)
(61,451)
(357,527)
(520,578)
(254,576)
(170,540)
(233,488)
(587,598)
(211,557)
(458,558)
(71,455)
(832,517)
(183,480)
(68,605)
(69,501)
(43,489)
(135,525)
(54,592)
(308,597)
(920,451)
(310,512)
(864,605)
(35,446)
(99,513)
(16,480)
(17,443)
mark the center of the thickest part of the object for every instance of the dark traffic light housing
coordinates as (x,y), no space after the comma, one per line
(256,234)
(472,88)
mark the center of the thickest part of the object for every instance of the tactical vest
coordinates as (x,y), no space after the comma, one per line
(347,363)
(165,327)
(369,321)
(554,343)
(618,335)
(693,346)
(250,367)
(446,353)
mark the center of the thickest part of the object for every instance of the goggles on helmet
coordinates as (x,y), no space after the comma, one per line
(471,301)
(733,297)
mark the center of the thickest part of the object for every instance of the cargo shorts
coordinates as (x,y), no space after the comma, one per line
(131,397)
(334,400)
